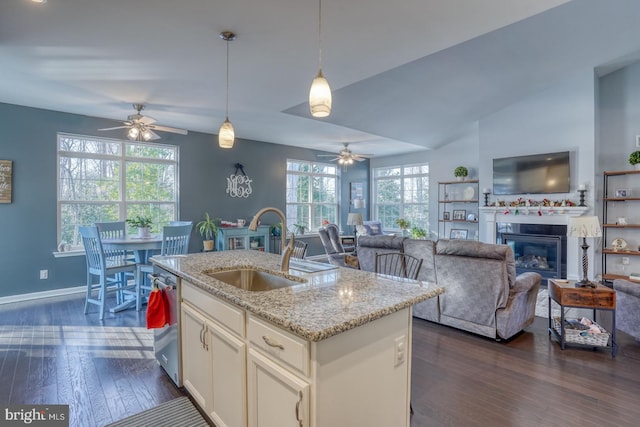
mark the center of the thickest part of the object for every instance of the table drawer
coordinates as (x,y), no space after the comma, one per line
(281,345)
(227,315)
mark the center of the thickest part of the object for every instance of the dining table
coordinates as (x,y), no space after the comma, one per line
(142,249)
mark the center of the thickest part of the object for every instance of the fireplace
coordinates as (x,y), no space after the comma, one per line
(539,248)
(494,220)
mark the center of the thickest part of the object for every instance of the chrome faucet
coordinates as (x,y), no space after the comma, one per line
(287,250)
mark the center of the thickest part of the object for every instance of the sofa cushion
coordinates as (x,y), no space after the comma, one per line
(480,250)
(425,250)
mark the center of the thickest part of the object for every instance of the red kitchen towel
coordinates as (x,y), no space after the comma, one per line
(157,309)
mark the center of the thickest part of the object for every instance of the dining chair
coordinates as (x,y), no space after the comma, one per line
(299,249)
(111,271)
(115,230)
(175,241)
(398,264)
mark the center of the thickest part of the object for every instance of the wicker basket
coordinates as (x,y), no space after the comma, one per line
(581,337)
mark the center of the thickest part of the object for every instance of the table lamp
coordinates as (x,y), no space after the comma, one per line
(354,219)
(584,226)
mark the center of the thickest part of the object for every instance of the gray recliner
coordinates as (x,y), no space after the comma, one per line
(330,238)
(627,307)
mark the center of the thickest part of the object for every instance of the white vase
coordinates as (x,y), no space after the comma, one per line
(637,166)
(144,232)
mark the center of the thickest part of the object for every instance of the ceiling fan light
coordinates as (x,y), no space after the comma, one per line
(226,135)
(146,134)
(320,96)
(133,133)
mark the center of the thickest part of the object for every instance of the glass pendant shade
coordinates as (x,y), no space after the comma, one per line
(226,135)
(320,96)
(133,133)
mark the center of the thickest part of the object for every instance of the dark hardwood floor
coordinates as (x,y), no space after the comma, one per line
(51,353)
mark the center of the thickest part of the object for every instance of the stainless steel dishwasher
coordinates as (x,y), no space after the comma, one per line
(167,340)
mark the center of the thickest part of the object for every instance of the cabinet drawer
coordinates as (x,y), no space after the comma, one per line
(293,351)
(227,315)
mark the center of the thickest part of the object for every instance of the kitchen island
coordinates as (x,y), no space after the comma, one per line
(332,349)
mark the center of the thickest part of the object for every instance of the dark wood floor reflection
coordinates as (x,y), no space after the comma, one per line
(50,352)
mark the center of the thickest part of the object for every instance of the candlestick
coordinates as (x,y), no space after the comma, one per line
(486,193)
(582,187)
(582,191)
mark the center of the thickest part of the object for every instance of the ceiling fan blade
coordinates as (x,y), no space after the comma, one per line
(146,120)
(153,135)
(116,127)
(168,129)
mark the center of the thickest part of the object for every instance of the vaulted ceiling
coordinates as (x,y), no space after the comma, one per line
(406,75)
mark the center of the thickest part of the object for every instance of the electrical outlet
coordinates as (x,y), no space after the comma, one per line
(44,274)
(625,260)
(400,353)
(637,141)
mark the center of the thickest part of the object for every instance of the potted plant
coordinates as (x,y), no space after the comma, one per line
(634,159)
(142,223)
(403,224)
(300,228)
(276,229)
(418,233)
(208,229)
(461,172)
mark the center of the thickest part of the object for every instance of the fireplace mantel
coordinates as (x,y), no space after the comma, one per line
(490,216)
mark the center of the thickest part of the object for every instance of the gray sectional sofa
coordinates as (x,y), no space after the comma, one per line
(482,294)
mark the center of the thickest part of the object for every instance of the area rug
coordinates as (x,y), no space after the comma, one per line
(542,305)
(178,412)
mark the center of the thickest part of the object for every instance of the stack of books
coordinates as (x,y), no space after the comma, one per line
(634,276)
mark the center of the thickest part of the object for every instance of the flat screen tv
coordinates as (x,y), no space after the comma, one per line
(534,174)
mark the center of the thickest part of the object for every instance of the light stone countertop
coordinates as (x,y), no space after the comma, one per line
(329,303)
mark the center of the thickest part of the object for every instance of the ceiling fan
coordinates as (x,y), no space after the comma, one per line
(141,128)
(346,156)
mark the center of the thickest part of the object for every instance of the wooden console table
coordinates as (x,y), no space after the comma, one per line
(566,294)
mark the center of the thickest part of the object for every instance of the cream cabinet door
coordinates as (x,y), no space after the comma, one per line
(276,397)
(229,378)
(196,357)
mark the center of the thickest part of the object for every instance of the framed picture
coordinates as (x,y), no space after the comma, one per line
(459,215)
(458,234)
(446,216)
(623,192)
(357,191)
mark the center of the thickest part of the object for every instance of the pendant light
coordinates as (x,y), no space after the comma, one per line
(226,135)
(320,93)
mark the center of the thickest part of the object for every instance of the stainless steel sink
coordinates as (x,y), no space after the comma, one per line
(254,280)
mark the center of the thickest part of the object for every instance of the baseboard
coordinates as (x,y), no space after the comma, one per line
(44,294)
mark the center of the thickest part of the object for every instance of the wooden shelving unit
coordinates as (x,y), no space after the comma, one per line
(451,197)
(610,225)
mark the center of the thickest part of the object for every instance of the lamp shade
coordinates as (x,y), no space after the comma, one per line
(354,219)
(320,96)
(227,135)
(584,226)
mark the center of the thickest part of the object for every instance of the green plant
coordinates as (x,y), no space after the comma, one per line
(300,228)
(634,158)
(403,223)
(140,221)
(460,171)
(418,233)
(276,229)
(208,227)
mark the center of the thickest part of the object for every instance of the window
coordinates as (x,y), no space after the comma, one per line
(312,194)
(401,192)
(102,180)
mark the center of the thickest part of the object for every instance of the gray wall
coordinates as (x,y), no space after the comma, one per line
(28,225)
